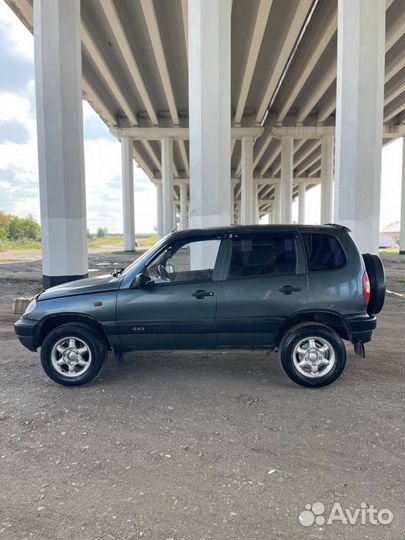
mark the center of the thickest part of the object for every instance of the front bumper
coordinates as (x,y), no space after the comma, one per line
(25,330)
(361,327)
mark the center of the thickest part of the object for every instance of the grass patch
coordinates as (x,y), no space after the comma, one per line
(19,245)
(389,251)
(115,244)
(107,243)
(111,244)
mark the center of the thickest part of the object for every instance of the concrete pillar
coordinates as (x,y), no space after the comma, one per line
(359,118)
(159,210)
(287,170)
(402,224)
(232,203)
(209,31)
(301,203)
(248,191)
(276,207)
(58,85)
(128,193)
(183,206)
(256,202)
(237,213)
(327,148)
(167,185)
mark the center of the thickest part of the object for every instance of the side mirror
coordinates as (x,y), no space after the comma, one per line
(142,281)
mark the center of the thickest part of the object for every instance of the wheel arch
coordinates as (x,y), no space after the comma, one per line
(327,317)
(51,322)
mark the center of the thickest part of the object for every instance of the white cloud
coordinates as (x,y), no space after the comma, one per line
(20,39)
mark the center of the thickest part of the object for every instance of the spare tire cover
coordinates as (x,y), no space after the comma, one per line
(376,275)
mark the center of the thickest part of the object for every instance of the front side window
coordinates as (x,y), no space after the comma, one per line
(262,254)
(183,263)
(323,252)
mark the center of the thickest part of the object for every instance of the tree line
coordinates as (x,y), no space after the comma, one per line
(13,228)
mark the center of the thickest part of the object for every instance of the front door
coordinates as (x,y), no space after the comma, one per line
(266,283)
(177,308)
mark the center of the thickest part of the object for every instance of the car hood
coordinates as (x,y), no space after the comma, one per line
(82,286)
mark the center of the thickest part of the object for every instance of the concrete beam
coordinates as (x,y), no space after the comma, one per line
(301,13)
(120,36)
(394,108)
(327,32)
(393,132)
(100,62)
(176,132)
(184,17)
(313,99)
(158,51)
(303,132)
(296,180)
(256,38)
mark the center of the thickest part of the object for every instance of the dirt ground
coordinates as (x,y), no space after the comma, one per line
(199,445)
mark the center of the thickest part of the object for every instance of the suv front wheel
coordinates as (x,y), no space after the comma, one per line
(312,354)
(73,354)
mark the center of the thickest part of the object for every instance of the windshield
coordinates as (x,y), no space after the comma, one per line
(145,255)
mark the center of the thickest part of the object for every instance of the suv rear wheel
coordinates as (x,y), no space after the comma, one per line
(312,354)
(73,354)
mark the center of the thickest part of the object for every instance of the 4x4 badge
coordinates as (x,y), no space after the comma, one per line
(138,329)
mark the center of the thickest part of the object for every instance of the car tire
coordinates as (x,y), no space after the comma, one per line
(376,275)
(312,354)
(73,354)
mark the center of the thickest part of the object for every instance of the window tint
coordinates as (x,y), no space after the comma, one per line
(181,263)
(323,251)
(262,255)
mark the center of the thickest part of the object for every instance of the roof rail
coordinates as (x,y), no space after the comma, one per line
(338,226)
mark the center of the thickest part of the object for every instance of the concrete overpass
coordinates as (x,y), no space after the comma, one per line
(232,108)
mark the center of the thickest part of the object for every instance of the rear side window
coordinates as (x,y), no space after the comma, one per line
(259,255)
(323,252)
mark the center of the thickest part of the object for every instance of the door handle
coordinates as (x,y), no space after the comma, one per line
(289,289)
(200,294)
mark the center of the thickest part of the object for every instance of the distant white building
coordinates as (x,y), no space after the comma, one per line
(391,231)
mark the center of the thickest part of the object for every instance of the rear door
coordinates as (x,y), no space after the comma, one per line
(266,282)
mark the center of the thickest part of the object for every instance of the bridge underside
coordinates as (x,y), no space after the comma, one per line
(283,96)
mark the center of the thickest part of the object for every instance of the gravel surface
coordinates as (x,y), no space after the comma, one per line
(199,445)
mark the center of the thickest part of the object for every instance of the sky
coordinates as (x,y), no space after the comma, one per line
(19,189)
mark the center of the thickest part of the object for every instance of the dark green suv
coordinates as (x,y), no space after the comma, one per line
(301,289)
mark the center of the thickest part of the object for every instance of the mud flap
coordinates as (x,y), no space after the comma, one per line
(119,357)
(359,348)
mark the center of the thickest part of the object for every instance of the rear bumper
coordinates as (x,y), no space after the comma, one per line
(25,330)
(361,327)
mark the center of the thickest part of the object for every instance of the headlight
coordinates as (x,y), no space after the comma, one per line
(30,307)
